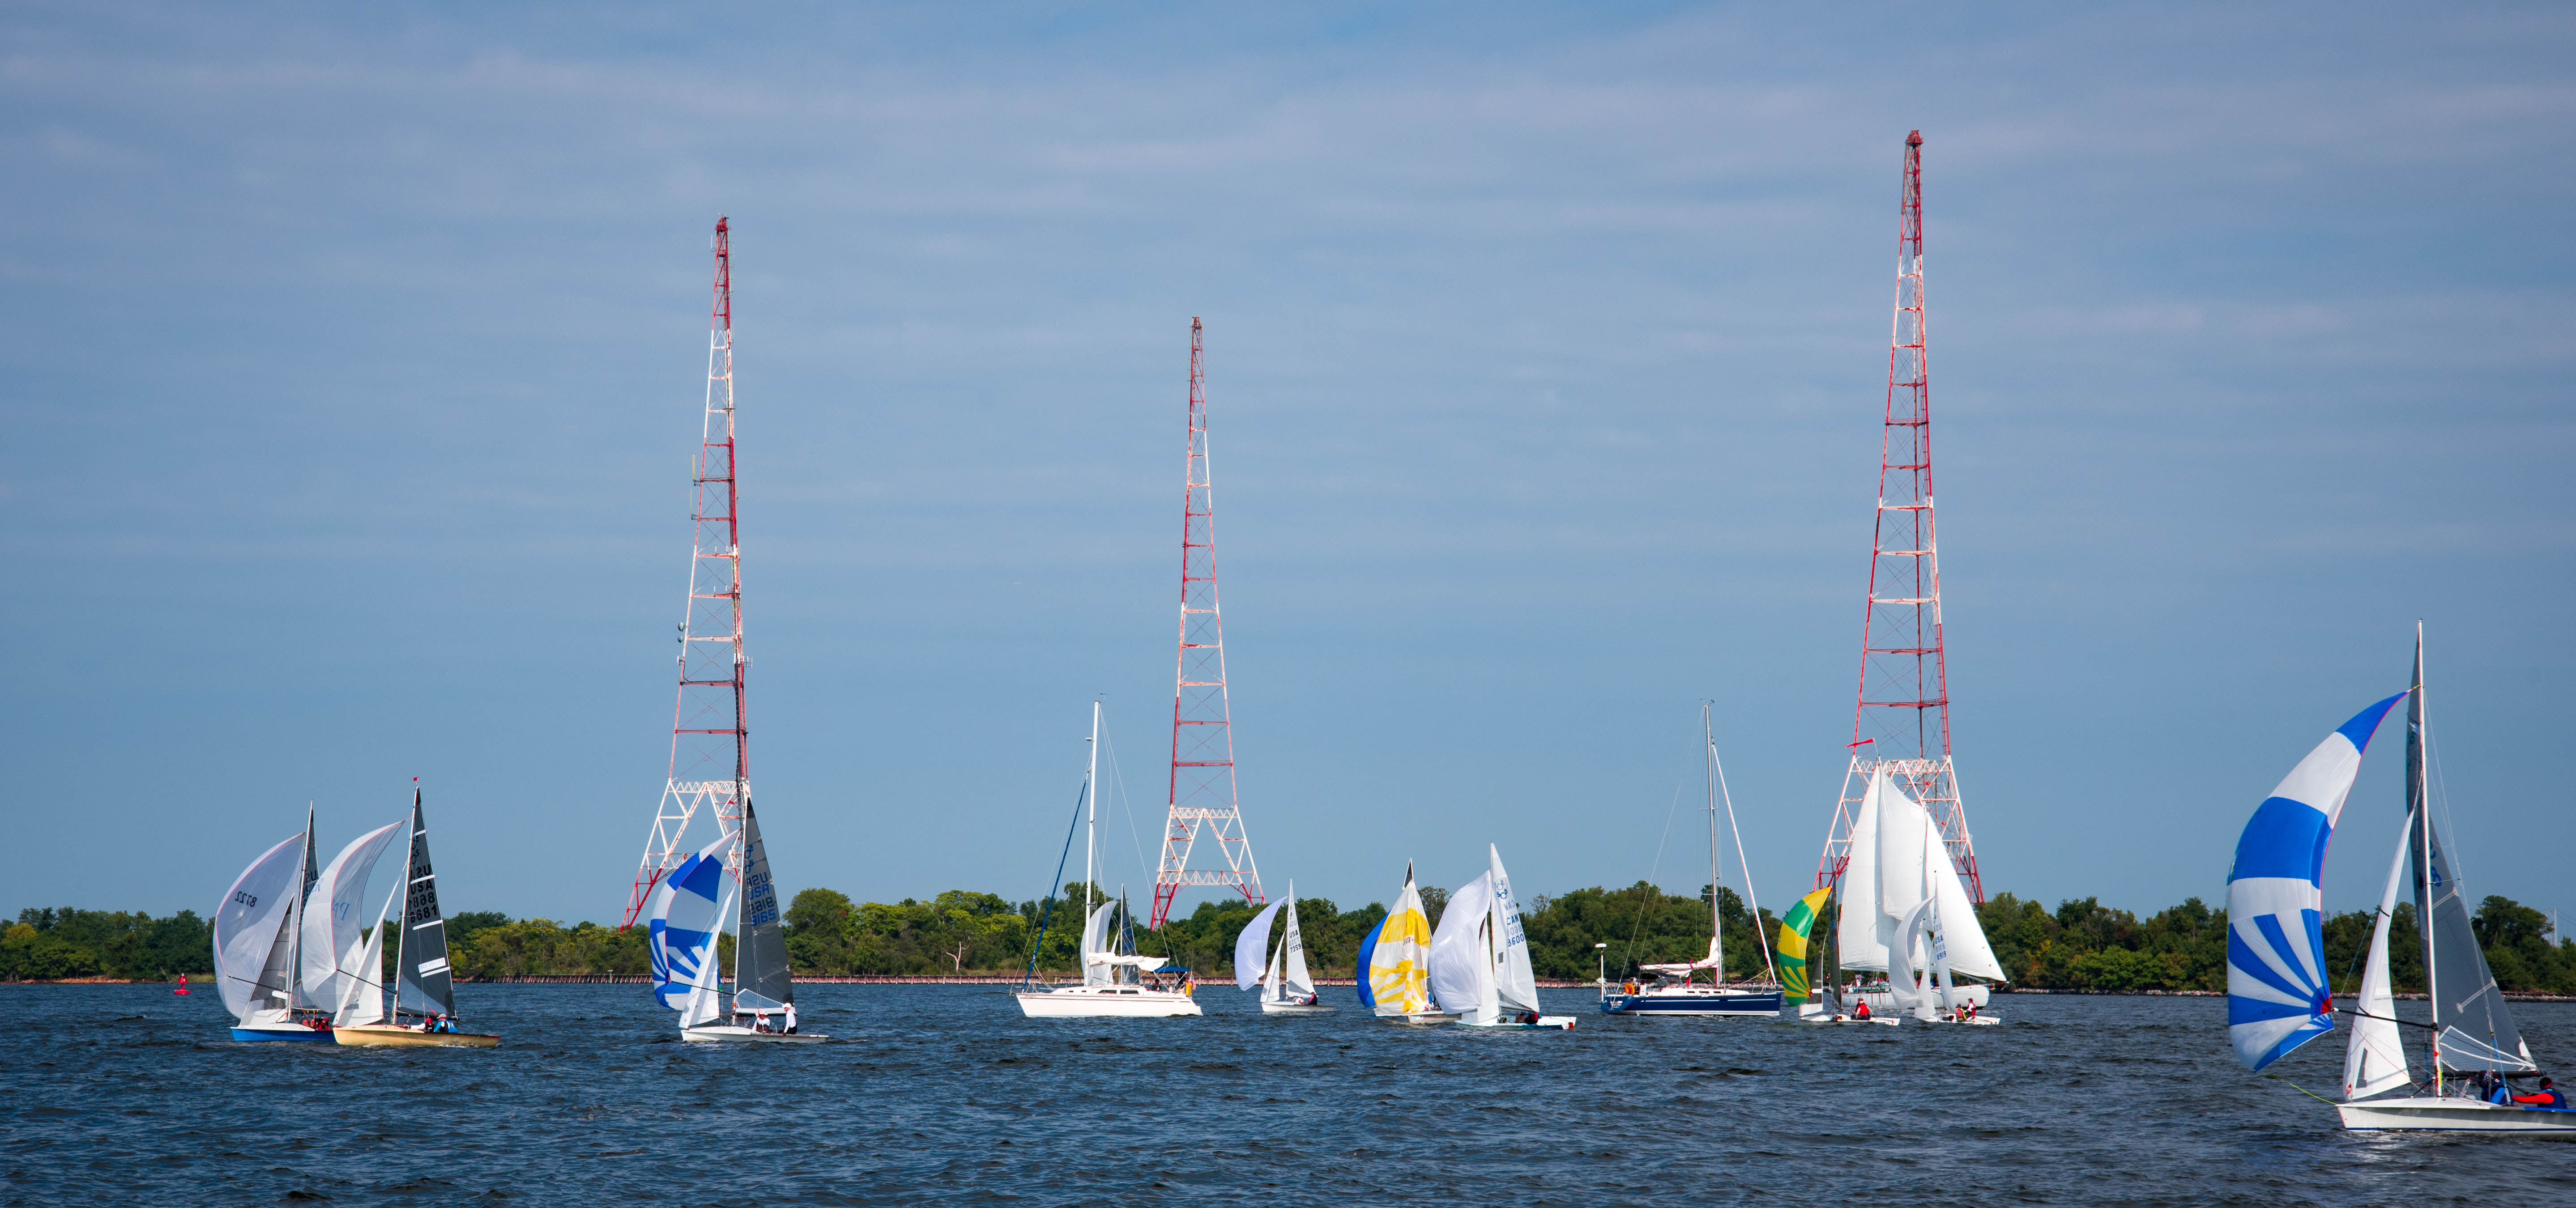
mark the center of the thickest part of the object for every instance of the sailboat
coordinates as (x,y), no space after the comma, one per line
(257,928)
(424,987)
(1395,962)
(1480,966)
(1902,895)
(689,909)
(2472,1046)
(1113,975)
(1671,989)
(1286,987)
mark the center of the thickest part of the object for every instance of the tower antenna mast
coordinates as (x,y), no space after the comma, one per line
(1203,787)
(1901,720)
(710,744)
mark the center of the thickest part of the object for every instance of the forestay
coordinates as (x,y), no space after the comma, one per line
(2276,981)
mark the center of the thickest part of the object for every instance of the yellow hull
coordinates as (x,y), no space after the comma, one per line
(382,1036)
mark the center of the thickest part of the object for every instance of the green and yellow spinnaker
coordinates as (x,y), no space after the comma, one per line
(1793,944)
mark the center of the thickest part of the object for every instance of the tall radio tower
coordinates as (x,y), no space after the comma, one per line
(710,748)
(1901,723)
(1202,728)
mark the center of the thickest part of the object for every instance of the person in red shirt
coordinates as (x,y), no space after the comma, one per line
(2549,1096)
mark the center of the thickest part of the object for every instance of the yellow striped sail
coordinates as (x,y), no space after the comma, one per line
(1399,963)
(1793,944)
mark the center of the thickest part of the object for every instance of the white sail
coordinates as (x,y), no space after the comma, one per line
(1294,981)
(1861,933)
(1906,954)
(1905,835)
(1515,986)
(1270,991)
(1096,967)
(705,999)
(682,922)
(1397,953)
(246,927)
(1461,962)
(331,959)
(363,989)
(1961,934)
(2374,1060)
(1250,945)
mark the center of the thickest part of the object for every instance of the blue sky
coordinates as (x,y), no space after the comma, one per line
(358,353)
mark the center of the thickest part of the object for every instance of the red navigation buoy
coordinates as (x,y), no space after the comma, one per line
(183,985)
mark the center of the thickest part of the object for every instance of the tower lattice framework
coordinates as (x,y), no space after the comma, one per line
(1901,720)
(710,744)
(1203,782)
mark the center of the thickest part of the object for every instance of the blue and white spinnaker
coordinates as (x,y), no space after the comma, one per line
(681,936)
(2276,977)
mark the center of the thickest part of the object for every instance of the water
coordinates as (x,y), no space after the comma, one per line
(943,1094)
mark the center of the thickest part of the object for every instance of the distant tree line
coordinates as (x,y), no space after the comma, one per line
(2082,945)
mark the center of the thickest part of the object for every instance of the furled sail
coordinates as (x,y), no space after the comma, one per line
(246,926)
(1396,956)
(1862,930)
(1793,944)
(2276,953)
(1515,985)
(1251,944)
(2374,1060)
(1095,946)
(761,981)
(333,958)
(681,924)
(423,983)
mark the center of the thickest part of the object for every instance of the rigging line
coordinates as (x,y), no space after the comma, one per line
(1654,891)
(1126,804)
(1753,903)
(1039,944)
(2302,1090)
(2437,789)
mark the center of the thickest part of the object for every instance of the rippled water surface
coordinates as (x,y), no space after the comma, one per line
(943,1094)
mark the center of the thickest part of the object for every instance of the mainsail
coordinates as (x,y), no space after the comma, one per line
(1395,957)
(2276,953)
(247,925)
(2473,1030)
(423,983)
(1793,944)
(1294,981)
(1515,986)
(760,976)
(333,962)
(1862,932)
(2374,1059)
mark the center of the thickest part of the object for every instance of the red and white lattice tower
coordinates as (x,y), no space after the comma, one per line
(1901,722)
(1203,790)
(710,749)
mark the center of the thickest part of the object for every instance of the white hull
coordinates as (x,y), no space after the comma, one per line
(1423,1019)
(1105,1002)
(1971,992)
(1293,1008)
(2454,1115)
(1546,1023)
(730,1031)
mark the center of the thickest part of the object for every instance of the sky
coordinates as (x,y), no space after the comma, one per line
(359,351)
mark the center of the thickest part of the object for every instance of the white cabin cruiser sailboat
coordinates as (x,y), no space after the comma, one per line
(1480,966)
(1114,982)
(424,987)
(2472,1046)
(1286,987)
(688,909)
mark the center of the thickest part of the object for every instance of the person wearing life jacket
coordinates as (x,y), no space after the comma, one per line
(2548,1096)
(1861,1009)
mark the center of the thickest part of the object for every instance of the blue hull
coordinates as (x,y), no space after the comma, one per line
(1744,1005)
(289,1036)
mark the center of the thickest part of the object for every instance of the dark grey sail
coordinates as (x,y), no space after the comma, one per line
(424,984)
(304,902)
(760,977)
(2476,1032)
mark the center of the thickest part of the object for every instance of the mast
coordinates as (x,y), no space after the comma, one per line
(2416,804)
(710,741)
(1203,784)
(1901,715)
(1091,820)
(1716,949)
(303,900)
